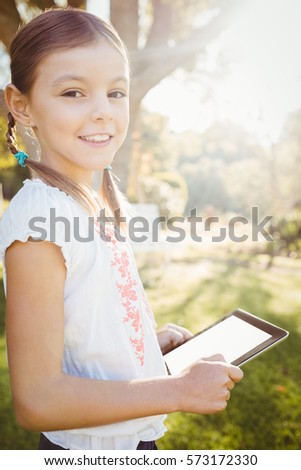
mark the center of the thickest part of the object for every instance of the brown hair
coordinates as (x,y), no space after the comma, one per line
(55,29)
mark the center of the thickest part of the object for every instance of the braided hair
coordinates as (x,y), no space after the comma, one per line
(11,134)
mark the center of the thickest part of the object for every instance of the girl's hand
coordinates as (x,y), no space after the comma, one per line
(204,387)
(171,335)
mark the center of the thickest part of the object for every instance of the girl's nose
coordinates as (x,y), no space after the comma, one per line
(102,109)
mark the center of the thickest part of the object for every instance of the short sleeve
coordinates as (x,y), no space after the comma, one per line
(40,212)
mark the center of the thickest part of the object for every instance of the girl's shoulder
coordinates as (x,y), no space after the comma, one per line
(34,203)
(36,197)
(36,211)
(37,187)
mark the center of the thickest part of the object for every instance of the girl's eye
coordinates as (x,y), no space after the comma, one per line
(117,94)
(73,94)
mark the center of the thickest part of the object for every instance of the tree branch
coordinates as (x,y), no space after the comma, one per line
(78,4)
(9,21)
(42,4)
(158,62)
(161,26)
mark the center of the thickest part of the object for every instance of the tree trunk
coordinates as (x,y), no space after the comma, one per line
(124,17)
(122,160)
(9,21)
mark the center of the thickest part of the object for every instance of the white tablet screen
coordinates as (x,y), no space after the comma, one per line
(232,338)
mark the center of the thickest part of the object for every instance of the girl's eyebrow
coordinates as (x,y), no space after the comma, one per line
(120,78)
(68,78)
(78,78)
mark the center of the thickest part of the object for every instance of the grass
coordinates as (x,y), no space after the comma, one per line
(194,288)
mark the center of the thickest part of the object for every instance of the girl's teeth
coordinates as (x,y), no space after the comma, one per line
(96,138)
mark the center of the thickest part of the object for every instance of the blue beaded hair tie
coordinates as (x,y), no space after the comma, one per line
(21,157)
(108,168)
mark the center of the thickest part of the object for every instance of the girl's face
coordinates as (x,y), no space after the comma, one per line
(79,107)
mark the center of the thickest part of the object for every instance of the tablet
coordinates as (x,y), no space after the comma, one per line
(239,337)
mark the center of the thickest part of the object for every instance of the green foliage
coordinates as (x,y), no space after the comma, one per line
(287,163)
(286,233)
(155,141)
(168,190)
(175,180)
(225,168)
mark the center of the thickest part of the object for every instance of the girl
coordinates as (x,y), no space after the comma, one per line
(85,361)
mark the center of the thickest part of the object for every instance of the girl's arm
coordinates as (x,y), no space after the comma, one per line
(47,399)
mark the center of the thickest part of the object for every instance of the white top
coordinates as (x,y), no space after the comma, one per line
(109,326)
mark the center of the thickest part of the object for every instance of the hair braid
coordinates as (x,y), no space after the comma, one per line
(11,134)
(113,197)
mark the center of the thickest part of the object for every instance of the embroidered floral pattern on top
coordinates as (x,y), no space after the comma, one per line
(128,288)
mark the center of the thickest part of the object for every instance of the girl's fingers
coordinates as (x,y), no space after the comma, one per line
(186,334)
(215,358)
(176,337)
(169,339)
(235,373)
(230,385)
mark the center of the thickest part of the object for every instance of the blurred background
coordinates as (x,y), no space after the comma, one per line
(215,128)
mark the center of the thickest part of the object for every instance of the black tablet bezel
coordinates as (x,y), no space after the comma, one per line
(277,334)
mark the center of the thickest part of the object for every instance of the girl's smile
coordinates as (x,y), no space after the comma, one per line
(97,140)
(80,120)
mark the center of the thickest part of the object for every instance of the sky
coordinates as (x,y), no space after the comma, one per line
(99,7)
(263,84)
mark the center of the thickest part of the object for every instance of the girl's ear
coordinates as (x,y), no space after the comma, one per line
(17,104)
